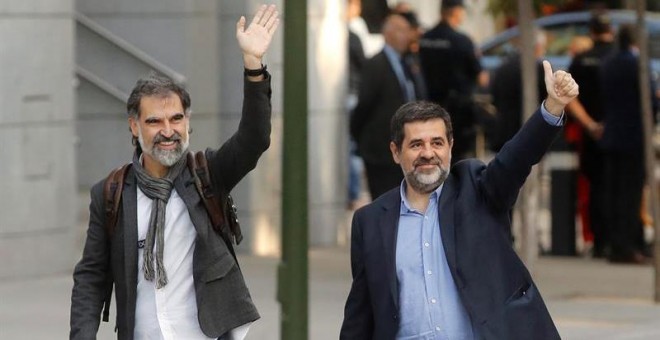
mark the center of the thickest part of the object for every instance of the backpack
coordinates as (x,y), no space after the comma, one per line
(220,209)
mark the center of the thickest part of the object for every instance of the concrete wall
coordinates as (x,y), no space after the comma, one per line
(38,200)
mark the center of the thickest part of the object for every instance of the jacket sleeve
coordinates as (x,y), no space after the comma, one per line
(91,274)
(358,314)
(240,153)
(506,174)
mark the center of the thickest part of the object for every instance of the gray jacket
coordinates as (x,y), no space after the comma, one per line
(223,300)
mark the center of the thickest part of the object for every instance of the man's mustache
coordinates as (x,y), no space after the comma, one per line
(160,138)
(427,161)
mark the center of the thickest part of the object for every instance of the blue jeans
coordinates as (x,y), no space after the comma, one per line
(354,173)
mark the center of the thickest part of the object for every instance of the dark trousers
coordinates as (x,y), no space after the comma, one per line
(382,177)
(593,164)
(625,179)
(598,206)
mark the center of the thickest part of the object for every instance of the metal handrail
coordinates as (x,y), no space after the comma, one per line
(102,84)
(129,48)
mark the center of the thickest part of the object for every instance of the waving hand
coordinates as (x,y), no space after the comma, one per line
(255,39)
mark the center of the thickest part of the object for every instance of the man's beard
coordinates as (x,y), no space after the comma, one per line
(165,157)
(426,182)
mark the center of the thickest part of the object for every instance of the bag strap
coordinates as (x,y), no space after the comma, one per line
(199,169)
(112,189)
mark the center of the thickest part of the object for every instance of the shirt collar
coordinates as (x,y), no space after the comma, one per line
(391,52)
(405,205)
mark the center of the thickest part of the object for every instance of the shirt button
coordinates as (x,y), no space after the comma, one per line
(426,244)
(433,300)
(437,328)
(429,272)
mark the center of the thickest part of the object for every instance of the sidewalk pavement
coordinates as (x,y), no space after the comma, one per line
(588,299)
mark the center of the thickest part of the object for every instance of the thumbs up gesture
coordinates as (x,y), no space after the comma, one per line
(561,88)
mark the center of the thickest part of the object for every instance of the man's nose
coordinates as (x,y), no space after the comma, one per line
(427,151)
(167,130)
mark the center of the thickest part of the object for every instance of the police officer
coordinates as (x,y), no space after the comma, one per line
(587,109)
(450,66)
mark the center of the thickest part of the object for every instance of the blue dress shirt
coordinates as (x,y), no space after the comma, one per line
(430,307)
(550,118)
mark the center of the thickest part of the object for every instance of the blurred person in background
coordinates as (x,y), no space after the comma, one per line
(579,44)
(507,91)
(412,57)
(386,83)
(451,68)
(588,111)
(408,11)
(623,144)
(573,135)
(371,43)
(356,59)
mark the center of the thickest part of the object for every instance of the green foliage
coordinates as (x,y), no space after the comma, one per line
(510,7)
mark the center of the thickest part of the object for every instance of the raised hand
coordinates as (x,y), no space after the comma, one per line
(255,39)
(561,88)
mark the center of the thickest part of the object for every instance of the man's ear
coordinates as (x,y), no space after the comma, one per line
(133,126)
(395,153)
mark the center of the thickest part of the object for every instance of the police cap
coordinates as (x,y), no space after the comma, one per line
(446,4)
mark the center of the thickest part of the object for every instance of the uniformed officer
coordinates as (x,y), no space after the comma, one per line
(587,109)
(450,66)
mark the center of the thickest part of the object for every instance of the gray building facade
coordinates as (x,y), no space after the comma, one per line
(37,136)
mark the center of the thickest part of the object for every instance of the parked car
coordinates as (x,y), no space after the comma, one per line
(560,30)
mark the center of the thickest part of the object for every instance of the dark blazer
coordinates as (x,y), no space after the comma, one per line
(493,283)
(223,300)
(621,103)
(449,63)
(380,95)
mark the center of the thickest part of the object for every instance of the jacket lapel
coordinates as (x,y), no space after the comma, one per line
(447,220)
(185,187)
(389,226)
(129,205)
